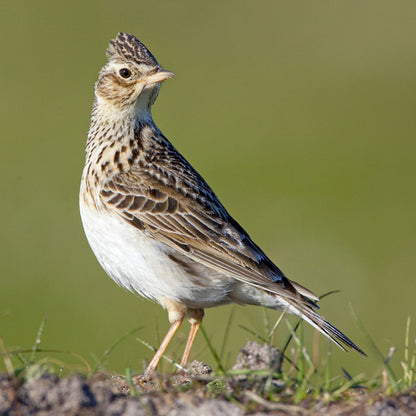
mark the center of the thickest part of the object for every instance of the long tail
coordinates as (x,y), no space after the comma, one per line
(309,315)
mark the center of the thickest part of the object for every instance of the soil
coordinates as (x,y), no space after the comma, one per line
(194,393)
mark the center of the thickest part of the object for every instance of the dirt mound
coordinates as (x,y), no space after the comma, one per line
(76,395)
(183,395)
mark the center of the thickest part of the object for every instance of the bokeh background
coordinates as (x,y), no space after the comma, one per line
(300,115)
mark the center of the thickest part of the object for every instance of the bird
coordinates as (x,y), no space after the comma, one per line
(153,222)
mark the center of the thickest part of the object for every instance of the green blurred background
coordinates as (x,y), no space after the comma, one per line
(300,115)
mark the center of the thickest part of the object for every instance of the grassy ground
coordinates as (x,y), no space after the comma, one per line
(290,381)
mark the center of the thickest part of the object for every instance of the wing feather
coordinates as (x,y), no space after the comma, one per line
(183,224)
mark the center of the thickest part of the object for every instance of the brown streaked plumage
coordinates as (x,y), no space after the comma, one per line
(155,225)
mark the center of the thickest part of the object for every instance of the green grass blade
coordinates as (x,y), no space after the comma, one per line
(129,378)
(6,359)
(277,323)
(108,351)
(328,368)
(213,352)
(165,357)
(37,340)
(376,350)
(227,333)
(255,334)
(331,292)
(19,354)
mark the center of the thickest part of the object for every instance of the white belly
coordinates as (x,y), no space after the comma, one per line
(141,264)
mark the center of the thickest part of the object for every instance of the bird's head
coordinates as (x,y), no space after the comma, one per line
(132,76)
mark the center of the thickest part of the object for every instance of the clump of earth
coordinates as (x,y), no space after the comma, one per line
(184,394)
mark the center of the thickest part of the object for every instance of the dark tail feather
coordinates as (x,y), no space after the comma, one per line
(326,328)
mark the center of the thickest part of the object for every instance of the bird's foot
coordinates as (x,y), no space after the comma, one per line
(146,380)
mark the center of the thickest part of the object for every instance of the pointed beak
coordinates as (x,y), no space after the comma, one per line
(159,76)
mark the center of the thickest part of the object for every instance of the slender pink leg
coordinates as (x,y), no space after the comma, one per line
(151,368)
(190,342)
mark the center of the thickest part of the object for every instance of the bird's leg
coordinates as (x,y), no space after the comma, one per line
(151,368)
(191,338)
(195,318)
(177,312)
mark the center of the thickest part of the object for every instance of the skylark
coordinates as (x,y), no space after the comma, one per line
(155,225)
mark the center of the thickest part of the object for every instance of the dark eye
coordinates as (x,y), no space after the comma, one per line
(125,72)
